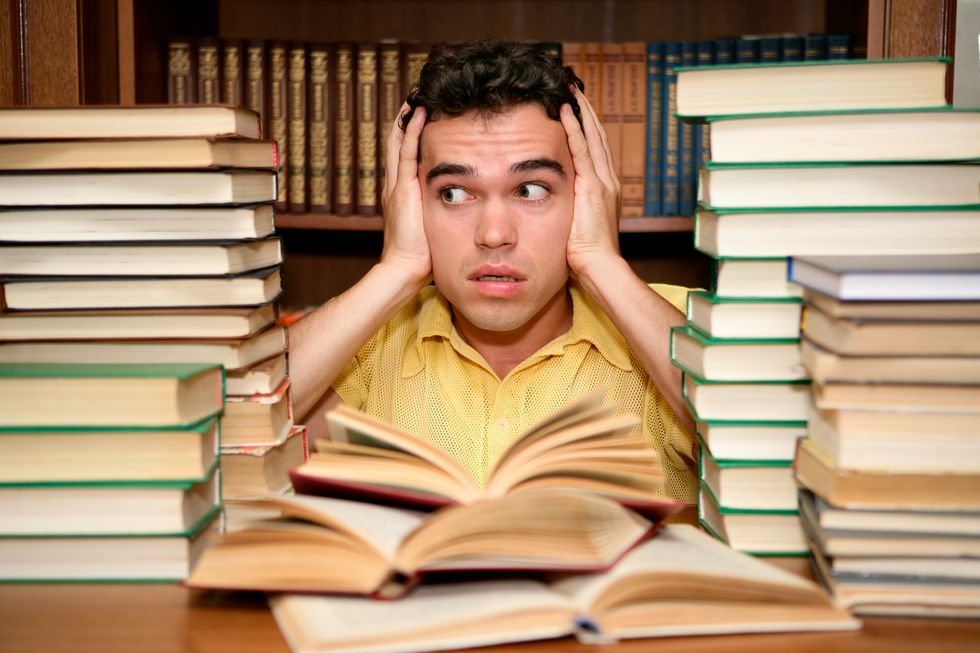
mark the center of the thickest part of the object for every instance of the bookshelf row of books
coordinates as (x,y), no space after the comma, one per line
(134,241)
(783,375)
(330,105)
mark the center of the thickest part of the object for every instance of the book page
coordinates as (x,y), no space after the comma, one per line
(383,527)
(455,615)
(683,562)
(347,424)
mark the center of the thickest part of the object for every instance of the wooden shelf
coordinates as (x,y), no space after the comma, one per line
(329,222)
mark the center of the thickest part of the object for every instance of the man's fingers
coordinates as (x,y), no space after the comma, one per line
(392,148)
(577,144)
(596,139)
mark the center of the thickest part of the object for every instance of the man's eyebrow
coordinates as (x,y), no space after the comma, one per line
(456,169)
(541,163)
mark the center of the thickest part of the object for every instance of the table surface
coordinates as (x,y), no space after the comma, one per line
(82,618)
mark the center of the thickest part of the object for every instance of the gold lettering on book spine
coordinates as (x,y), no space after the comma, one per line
(277,121)
(208,70)
(367,130)
(319,135)
(179,69)
(345,128)
(297,125)
(254,78)
(390,102)
(232,69)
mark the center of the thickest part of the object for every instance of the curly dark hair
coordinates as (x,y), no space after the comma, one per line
(490,77)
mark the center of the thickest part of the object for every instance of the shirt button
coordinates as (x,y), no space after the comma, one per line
(502,424)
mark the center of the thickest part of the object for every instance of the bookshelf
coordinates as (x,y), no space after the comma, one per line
(114,51)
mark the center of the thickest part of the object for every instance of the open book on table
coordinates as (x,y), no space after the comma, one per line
(582,446)
(682,582)
(333,545)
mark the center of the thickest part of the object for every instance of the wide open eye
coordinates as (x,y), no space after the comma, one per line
(532,192)
(454,195)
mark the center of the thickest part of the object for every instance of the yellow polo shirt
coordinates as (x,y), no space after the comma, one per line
(419,374)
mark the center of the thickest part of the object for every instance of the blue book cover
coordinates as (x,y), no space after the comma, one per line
(791,48)
(686,143)
(769,49)
(724,51)
(815,48)
(838,46)
(670,128)
(652,199)
(747,49)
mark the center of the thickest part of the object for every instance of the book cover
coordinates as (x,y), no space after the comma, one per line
(345,131)
(296,125)
(319,113)
(277,93)
(208,70)
(232,72)
(655,146)
(366,111)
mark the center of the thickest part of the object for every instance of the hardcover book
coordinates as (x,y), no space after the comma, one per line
(92,395)
(383,551)
(370,459)
(660,577)
(802,86)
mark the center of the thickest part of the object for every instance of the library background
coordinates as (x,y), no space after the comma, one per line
(326,78)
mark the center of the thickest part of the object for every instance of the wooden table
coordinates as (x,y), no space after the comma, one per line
(84,618)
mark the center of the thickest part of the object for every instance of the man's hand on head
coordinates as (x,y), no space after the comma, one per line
(594,235)
(405,245)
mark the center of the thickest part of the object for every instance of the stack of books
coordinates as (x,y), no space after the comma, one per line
(330,105)
(891,464)
(146,235)
(806,158)
(565,538)
(107,472)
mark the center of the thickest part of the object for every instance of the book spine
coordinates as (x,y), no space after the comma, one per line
(724,51)
(747,49)
(815,48)
(208,67)
(670,132)
(344,132)
(634,127)
(592,74)
(550,48)
(689,57)
(255,82)
(296,129)
(791,48)
(232,73)
(320,144)
(652,200)
(414,56)
(610,108)
(769,49)
(390,99)
(366,103)
(838,46)
(278,117)
(702,135)
(180,72)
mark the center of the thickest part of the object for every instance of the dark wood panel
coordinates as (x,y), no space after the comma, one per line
(554,20)
(52,46)
(12,72)
(99,52)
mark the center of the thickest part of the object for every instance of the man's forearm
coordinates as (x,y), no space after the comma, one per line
(322,343)
(644,318)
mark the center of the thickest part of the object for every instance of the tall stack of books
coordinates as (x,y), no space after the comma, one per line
(107,472)
(145,235)
(891,464)
(810,158)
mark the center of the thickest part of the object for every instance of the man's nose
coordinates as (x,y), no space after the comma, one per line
(495,225)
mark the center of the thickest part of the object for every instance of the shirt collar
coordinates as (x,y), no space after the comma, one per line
(589,324)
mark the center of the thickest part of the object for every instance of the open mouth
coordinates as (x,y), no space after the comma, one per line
(492,277)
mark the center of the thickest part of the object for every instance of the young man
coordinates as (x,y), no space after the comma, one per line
(500,188)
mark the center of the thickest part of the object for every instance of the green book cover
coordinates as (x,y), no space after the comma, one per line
(715,299)
(102,370)
(131,483)
(846,112)
(734,422)
(825,62)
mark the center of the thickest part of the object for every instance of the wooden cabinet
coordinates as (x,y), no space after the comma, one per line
(66,52)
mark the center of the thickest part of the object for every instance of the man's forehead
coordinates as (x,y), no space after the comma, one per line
(521,132)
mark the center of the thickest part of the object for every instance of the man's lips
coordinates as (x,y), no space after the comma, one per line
(496,274)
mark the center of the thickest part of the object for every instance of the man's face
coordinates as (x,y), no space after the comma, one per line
(497,206)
